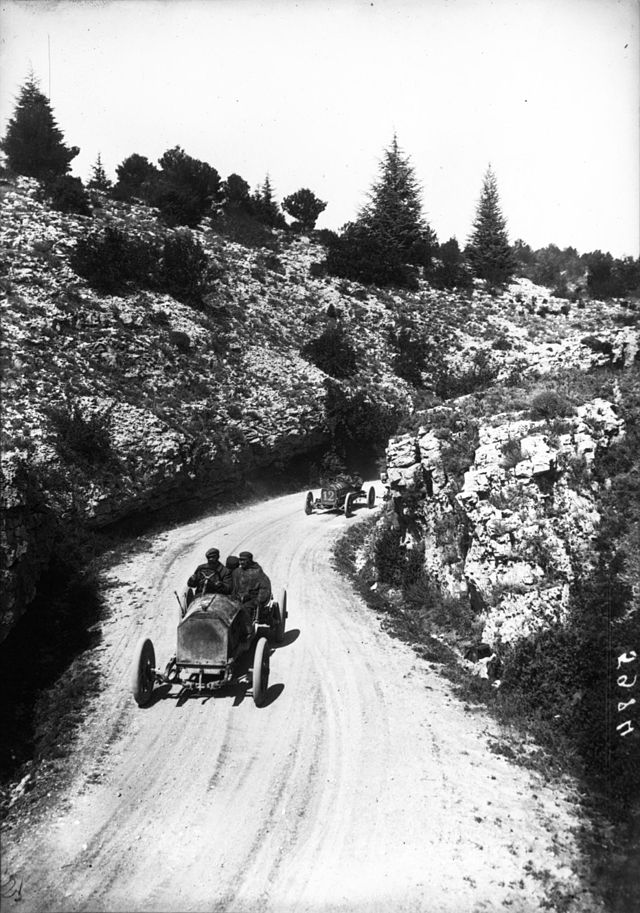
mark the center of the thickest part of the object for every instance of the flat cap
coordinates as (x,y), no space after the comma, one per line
(248,555)
(212,552)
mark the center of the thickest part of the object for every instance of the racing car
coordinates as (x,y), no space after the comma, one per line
(214,633)
(340,494)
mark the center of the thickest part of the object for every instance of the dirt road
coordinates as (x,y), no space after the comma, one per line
(363,785)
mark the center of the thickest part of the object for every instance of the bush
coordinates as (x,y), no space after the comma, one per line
(389,557)
(79,439)
(479,374)
(361,421)
(511,453)
(114,262)
(67,194)
(180,340)
(332,352)
(184,268)
(413,349)
(548,404)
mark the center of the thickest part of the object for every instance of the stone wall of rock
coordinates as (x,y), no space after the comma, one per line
(529,507)
(27,529)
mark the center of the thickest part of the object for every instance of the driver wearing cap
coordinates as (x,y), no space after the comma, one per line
(212,577)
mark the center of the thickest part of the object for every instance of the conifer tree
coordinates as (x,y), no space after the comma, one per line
(394,212)
(188,189)
(33,142)
(265,206)
(305,207)
(236,193)
(390,237)
(99,179)
(488,249)
(137,177)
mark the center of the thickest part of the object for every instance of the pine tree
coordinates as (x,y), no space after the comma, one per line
(390,237)
(394,212)
(137,177)
(188,189)
(236,193)
(305,207)
(99,179)
(33,142)
(265,207)
(488,249)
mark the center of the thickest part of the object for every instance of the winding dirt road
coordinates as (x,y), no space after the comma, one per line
(362,785)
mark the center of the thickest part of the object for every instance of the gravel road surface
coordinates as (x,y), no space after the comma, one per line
(362,785)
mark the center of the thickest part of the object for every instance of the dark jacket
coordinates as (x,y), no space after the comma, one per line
(211,579)
(251,584)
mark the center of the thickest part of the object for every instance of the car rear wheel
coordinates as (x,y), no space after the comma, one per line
(348,504)
(308,504)
(143,675)
(260,675)
(371,497)
(282,618)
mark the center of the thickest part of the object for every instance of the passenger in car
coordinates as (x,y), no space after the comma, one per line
(251,586)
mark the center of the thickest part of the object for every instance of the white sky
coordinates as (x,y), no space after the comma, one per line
(311,92)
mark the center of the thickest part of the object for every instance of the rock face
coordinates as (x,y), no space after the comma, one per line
(528,508)
(26,536)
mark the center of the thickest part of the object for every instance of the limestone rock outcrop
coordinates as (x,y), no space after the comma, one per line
(528,508)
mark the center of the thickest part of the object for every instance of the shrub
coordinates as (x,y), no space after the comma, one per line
(480,373)
(180,340)
(389,557)
(184,268)
(501,344)
(332,352)
(548,404)
(601,346)
(67,194)
(81,439)
(511,453)
(361,421)
(412,352)
(113,261)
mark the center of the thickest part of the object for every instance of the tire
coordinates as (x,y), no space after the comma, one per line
(308,504)
(260,675)
(371,498)
(143,672)
(348,504)
(282,618)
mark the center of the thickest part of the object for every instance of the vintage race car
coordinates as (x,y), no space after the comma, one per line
(214,634)
(340,494)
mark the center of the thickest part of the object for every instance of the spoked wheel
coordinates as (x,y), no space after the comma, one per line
(143,675)
(348,504)
(308,504)
(371,497)
(260,677)
(282,618)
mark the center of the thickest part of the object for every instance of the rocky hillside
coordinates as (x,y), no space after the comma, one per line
(115,404)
